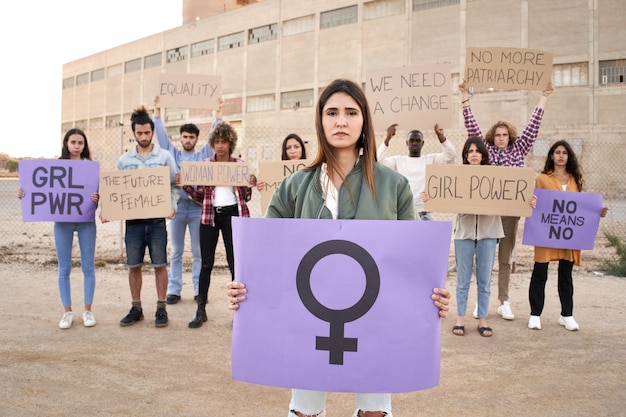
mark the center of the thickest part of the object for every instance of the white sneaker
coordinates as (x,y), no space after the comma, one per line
(475,312)
(66,321)
(356,414)
(569,323)
(88,319)
(534,322)
(505,311)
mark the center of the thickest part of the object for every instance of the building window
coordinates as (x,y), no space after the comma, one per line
(82,79)
(66,126)
(81,124)
(132,66)
(97,75)
(68,83)
(177,54)
(299,25)
(202,48)
(232,41)
(173,115)
(568,75)
(263,33)
(382,8)
(114,70)
(152,60)
(431,4)
(296,99)
(260,103)
(95,123)
(113,121)
(612,72)
(338,17)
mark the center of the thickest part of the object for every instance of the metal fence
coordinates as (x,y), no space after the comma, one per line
(34,242)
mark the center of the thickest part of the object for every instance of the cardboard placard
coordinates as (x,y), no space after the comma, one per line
(508,68)
(189,91)
(135,194)
(273,173)
(229,174)
(58,190)
(412,97)
(479,189)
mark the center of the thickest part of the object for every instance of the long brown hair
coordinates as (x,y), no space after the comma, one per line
(297,138)
(572,167)
(65,152)
(366,142)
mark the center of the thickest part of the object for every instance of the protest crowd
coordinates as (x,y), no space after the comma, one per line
(161,189)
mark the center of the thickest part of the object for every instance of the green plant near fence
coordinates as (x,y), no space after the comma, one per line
(617,267)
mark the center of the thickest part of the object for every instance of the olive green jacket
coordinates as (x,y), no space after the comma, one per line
(301,196)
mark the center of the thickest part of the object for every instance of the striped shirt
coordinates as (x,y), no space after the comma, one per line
(514,154)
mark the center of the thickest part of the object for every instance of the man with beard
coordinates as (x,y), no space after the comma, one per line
(413,167)
(188,211)
(150,233)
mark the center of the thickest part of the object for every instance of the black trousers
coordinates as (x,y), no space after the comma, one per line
(537,290)
(208,243)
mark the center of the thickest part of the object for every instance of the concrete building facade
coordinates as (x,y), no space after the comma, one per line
(274,57)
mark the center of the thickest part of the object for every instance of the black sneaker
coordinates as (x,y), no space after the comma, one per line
(133,315)
(161,318)
(172,299)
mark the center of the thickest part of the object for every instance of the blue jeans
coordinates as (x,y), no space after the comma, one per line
(425,215)
(485,251)
(187,215)
(314,402)
(63,240)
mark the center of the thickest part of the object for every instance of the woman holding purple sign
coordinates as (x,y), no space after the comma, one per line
(75,147)
(561,172)
(343,173)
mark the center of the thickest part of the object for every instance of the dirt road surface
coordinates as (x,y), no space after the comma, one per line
(141,370)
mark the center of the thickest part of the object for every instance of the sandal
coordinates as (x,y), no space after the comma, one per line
(485,331)
(458,330)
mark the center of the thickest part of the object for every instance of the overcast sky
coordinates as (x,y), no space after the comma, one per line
(39,36)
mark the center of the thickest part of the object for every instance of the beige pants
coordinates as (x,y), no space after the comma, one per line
(505,249)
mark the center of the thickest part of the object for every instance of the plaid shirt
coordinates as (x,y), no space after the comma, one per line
(205,194)
(514,154)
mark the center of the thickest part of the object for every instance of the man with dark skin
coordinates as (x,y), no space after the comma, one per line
(413,166)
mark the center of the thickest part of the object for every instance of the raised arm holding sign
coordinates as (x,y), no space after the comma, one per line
(187,209)
(413,166)
(505,149)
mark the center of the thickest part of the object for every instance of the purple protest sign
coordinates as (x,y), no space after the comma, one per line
(58,190)
(563,220)
(339,305)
